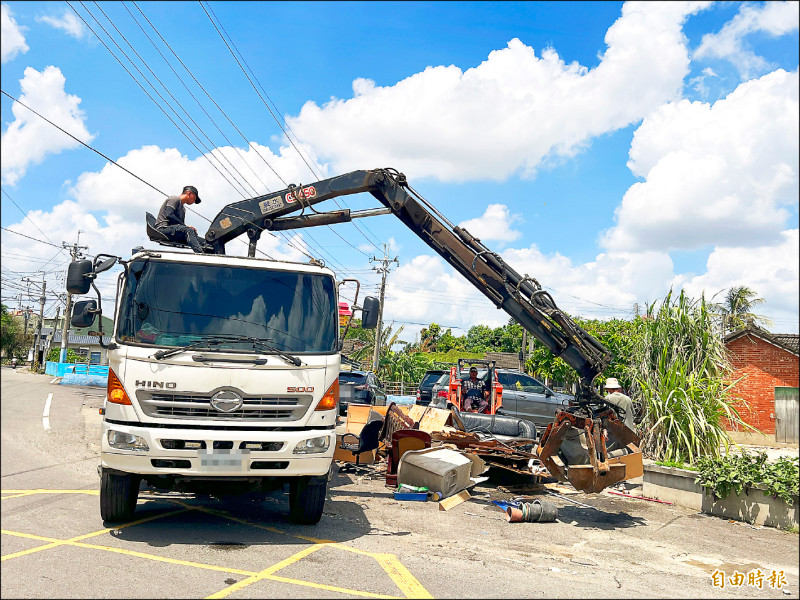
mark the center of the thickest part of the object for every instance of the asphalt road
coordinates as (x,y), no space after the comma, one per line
(54,543)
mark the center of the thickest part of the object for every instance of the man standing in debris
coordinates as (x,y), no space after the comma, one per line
(170,220)
(619,400)
(475,393)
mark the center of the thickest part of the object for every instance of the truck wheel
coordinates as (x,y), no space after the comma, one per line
(307,499)
(118,496)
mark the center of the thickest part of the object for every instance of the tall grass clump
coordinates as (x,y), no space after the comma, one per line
(681,373)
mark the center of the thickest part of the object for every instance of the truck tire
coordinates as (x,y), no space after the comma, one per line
(118,495)
(307,499)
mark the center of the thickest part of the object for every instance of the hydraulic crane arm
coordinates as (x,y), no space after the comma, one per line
(522,297)
(587,443)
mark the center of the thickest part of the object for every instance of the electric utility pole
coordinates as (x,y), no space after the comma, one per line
(74,251)
(35,362)
(383,269)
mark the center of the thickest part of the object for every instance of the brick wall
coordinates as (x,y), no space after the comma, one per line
(764,367)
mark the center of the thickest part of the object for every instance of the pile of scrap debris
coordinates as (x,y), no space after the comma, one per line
(430,453)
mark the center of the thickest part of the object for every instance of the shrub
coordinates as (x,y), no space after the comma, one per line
(737,472)
(680,370)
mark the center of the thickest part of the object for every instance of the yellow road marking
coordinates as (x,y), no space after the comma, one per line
(80,537)
(174,561)
(155,557)
(268,571)
(224,515)
(402,577)
(328,587)
(18,495)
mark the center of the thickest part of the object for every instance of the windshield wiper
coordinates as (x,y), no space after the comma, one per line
(263,345)
(165,353)
(260,344)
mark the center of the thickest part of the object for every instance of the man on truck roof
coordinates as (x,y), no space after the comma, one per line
(170,220)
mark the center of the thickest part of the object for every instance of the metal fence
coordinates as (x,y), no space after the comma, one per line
(401,388)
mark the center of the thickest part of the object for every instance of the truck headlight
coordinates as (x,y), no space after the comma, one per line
(120,440)
(317,445)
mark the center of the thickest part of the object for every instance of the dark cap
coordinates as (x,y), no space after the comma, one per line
(473,369)
(191,188)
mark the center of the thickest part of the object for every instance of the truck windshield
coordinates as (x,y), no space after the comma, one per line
(172,304)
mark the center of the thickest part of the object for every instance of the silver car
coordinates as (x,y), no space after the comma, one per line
(527,398)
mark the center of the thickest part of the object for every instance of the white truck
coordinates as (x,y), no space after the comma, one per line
(223,376)
(224,370)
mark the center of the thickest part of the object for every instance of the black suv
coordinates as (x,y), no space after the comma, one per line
(426,385)
(359,387)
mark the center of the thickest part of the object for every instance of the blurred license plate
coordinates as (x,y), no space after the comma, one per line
(222,460)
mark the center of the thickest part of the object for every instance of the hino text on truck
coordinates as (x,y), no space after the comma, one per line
(223,370)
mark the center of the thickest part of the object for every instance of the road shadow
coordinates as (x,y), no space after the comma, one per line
(596,518)
(238,521)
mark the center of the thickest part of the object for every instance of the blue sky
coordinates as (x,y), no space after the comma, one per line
(610,150)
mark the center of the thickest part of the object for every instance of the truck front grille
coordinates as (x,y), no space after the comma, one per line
(182,405)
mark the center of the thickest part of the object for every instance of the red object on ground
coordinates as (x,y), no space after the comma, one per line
(640,498)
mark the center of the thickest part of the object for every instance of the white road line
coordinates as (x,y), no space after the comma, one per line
(46,413)
(54,379)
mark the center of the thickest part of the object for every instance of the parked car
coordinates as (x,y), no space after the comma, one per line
(359,387)
(425,385)
(527,398)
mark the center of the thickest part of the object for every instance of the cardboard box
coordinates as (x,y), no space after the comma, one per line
(430,419)
(632,461)
(357,415)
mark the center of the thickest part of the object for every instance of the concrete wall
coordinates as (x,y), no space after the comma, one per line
(677,486)
(764,367)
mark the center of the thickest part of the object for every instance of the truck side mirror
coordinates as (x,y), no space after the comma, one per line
(83,313)
(106,264)
(369,312)
(77,280)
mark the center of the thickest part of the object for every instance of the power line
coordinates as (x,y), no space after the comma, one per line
(29,237)
(278,122)
(83,143)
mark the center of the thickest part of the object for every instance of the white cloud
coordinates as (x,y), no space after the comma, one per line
(773,18)
(718,174)
(426,289)
(29,139)
(494,224)
(771,271)
(509,113)
(109,208)
(12,41)
(67,22)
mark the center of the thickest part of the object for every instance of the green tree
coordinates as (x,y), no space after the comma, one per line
(14,342)
(72,356)
(480,338)
(7,331)
(429,337)
(682,374)
(736,310)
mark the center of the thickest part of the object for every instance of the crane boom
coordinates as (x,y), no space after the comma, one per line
(522,297)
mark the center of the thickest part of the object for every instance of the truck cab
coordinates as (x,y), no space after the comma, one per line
(223,377)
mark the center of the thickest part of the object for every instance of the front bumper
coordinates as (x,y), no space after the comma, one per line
(224,459)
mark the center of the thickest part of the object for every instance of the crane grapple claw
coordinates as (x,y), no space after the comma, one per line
(591,452)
